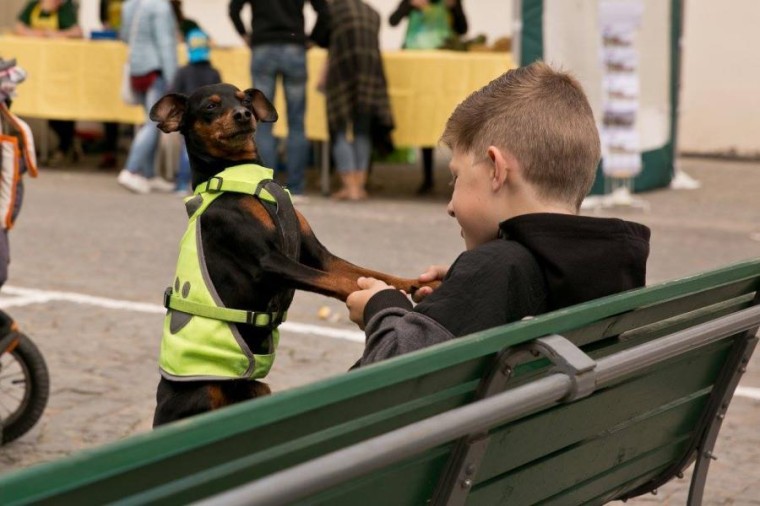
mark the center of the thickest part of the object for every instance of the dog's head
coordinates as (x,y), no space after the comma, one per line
(218,121)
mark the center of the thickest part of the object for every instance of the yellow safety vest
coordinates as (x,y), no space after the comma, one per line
(200,339)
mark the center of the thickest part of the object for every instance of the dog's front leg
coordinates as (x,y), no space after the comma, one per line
(314,254)
(304,277)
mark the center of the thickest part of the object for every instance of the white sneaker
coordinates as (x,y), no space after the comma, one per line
(133,182)
(159,184)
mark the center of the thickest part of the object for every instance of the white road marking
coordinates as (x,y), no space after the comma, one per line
(749,392)
(26,296)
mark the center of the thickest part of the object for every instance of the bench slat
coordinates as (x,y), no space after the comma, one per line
(528,439)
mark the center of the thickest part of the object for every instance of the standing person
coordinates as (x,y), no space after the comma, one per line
(110,18)
(198,72)
(525,151)
(278,47)
(357,94)
(153,63)
(53,19)
(431,22)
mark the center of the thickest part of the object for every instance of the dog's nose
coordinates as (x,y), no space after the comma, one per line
(242,114)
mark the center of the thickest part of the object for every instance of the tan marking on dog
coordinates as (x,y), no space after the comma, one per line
(303,224)
(239,95)
(212,135)
(256,209)
(215,99)
(216,397)
(259,389)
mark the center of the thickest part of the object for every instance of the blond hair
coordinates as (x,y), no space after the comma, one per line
(543,118)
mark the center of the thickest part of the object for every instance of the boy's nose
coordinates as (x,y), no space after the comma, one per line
(450,209)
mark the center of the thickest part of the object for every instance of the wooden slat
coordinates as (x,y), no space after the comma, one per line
(663,310)
(563,426)
(548,477)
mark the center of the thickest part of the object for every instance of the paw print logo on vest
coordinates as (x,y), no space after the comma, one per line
(178,319)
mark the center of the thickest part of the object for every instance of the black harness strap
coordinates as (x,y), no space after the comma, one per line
(286,222)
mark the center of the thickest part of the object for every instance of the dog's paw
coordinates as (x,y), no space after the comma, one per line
(178,319)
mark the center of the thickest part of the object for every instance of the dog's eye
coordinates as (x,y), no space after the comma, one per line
(210,106)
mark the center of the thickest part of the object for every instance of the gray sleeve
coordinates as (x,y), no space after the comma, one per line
(395,331)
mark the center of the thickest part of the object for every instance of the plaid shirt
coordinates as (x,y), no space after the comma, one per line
(355,78)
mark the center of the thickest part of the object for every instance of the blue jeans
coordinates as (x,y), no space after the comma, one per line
(182,182)
(350,156)
(288,60)
(142,152)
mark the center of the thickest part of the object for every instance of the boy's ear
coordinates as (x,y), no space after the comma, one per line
(168,112)
(501,164)
(262,107)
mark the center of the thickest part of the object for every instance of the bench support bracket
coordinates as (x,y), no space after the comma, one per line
(458,478)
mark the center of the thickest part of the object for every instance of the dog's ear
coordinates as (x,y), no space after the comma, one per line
(262,108)
(168,112)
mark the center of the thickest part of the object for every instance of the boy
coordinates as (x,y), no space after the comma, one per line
(198,72)
(525,151)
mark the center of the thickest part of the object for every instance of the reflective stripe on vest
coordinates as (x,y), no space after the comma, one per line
(200,340)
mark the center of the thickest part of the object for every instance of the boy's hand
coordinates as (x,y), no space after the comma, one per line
(358,299)
(420,4)
(433,273)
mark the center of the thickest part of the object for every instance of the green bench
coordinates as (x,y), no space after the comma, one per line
(601,401)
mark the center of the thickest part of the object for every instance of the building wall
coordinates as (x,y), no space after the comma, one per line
(720,105)
(720,101)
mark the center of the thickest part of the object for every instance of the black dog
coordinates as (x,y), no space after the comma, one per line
(256,250)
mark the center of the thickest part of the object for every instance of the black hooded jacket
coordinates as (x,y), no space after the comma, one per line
(541,262)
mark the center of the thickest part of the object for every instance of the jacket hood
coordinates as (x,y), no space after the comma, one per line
(582,258)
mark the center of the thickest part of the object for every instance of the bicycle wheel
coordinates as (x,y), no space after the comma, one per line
(24,389)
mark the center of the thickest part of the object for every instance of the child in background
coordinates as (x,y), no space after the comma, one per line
(198,72)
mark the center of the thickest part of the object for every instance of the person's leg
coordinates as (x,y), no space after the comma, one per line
(110,145)
(182,184)
(427,172)
(139,168)
(343,154)
(362,152)
(65,131)
(294,80)
(264,65)
(5,256)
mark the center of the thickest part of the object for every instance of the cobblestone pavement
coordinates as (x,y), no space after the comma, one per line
(81,235)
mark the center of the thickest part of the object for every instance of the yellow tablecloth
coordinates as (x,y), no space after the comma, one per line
(79,79)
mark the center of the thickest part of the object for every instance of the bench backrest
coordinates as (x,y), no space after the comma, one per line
(641,402)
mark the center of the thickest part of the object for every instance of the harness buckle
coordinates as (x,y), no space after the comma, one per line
(167,296)
(215,184)
(269,321)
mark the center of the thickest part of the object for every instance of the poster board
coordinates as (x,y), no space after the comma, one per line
(566,33)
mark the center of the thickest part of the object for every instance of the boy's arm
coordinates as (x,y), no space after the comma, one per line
(395,331)
(492,285)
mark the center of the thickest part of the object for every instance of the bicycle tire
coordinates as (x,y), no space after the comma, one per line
(36,389)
